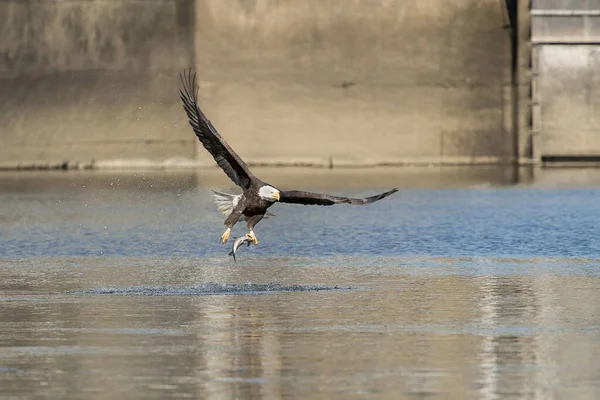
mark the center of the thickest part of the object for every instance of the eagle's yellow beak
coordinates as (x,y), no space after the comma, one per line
(276,196)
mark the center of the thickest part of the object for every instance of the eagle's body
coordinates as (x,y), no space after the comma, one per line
(250,205)
(257,195)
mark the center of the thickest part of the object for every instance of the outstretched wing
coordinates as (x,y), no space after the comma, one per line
(226,158)
(319,199)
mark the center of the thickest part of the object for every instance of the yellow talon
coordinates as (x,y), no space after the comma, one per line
(253,237)
(225,235)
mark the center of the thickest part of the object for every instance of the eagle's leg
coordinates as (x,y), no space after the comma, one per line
(230,222)
(225,235)
(252,236)
(250,223)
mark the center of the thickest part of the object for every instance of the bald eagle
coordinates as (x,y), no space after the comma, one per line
(257,195)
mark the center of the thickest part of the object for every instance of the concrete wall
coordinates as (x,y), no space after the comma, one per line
(312,81)
(358,81)
(94,80)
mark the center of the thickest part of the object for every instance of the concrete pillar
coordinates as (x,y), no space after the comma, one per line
(526,137)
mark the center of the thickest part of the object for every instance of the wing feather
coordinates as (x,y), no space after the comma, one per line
(320,199)
(233,166)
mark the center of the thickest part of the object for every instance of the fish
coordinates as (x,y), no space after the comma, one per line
(237,244)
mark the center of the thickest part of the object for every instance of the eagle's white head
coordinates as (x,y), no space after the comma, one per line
(268,193)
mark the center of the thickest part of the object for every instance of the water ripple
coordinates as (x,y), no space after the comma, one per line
(206,289)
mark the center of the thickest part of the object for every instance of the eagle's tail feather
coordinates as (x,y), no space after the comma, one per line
(225,202)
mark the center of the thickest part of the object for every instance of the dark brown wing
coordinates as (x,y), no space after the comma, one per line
(226,158)
(318,199)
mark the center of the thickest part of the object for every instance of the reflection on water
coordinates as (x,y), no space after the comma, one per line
(466,291)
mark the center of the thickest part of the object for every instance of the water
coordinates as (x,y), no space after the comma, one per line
(468,283)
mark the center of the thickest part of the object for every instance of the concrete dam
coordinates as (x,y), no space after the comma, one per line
(316,82)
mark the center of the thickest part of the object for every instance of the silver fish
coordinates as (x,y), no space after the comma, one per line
(237,244)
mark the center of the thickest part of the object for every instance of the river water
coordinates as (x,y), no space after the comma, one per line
(466,284)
